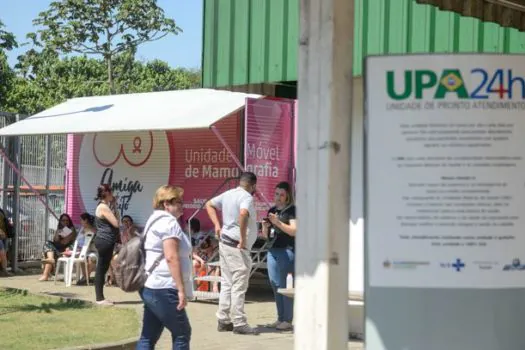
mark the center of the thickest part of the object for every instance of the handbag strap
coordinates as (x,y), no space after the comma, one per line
(146,230)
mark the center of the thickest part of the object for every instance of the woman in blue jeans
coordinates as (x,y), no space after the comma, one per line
(280,227)
(168,286)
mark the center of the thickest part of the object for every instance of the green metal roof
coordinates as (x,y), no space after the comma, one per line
(256,41)
(508,13)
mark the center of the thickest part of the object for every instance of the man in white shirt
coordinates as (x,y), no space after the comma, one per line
(236,236)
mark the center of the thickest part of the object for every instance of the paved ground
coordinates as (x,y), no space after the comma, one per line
(260,310)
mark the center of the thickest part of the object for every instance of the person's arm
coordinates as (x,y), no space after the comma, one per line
(56,237)
(107,214)
(71,237)
(211,208)
(290,229)
(172,256)
(244,216)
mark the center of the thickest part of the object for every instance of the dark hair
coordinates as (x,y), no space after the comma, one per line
(101,191)
(64,215)
(88,217)
(195,225)
(249,178)
(127,217)
(283,185)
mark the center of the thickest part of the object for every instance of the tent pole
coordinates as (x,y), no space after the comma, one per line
(235,159)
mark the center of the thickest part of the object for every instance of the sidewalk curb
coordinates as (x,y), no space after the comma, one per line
(125,344)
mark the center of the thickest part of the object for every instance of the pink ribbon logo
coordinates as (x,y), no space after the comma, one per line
(136,148)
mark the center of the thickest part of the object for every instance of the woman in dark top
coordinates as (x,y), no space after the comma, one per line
(62,241)
(107,225)
(280,228)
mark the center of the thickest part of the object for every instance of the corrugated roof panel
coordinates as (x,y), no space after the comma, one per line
(267,50)
(504,14)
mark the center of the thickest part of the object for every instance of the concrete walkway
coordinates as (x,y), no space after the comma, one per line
(259,307)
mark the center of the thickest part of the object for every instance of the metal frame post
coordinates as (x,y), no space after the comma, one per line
(16,200)
(48,174)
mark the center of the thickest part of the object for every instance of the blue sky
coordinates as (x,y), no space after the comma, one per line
(183,50)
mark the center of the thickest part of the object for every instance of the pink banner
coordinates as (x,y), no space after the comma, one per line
(135,164)
(269,145)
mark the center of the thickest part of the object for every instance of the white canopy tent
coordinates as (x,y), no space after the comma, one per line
(167,110)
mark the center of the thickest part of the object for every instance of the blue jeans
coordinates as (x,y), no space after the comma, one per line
(280,263)
(160,310)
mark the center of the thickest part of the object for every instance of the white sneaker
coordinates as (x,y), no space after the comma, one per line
(105,302)
(284,326)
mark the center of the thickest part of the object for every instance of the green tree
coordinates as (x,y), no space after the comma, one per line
(44,79)
(108,28)
(7,39)
(7,76)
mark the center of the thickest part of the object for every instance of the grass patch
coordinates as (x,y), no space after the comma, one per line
(35,322)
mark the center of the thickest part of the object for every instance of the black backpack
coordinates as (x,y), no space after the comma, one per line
(130,272)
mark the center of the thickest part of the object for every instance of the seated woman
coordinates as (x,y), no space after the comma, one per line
(63,240)
(128,231)
(204,248)
(4,227)
(87,221)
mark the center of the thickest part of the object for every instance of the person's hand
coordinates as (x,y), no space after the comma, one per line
(182,301)
(273,219)
(266,224)
(241,245)
(218,231)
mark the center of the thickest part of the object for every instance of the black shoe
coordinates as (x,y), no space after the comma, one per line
(245,330)
(224,327)
(82,282)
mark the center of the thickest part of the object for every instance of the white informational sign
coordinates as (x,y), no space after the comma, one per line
(445,171)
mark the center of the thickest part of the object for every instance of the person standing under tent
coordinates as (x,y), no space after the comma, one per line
(236,237)
(108,230)
(280,228)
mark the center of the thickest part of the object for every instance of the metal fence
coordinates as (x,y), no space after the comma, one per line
(41,160)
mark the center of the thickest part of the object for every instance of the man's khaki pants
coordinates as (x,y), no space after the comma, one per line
(235,272)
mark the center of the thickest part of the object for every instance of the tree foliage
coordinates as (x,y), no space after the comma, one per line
(44,79)
(107,28)
(46,74)
(7,39)
(7,42)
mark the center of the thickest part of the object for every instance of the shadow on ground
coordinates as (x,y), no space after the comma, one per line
(45,307)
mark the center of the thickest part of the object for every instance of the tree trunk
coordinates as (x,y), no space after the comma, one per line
(111,83)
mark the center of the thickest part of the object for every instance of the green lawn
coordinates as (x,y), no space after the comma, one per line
(35,322)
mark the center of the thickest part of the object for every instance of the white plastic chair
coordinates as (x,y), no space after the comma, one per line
(77,261)
(64,262)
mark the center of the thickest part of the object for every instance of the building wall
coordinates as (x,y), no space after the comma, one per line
(255,41)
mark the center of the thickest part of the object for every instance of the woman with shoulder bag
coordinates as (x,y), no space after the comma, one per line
(280,228)
(168,286)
